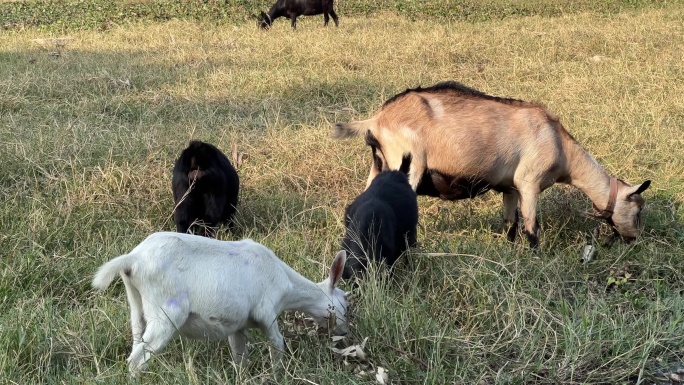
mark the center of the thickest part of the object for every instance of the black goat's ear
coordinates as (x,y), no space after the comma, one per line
(406,163)
(377,161)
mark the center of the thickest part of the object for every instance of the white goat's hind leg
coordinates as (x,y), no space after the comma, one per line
(137,316)
(162,324)
(157,335)
(238,346)
(510,214)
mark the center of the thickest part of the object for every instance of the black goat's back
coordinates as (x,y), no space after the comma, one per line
(379,221)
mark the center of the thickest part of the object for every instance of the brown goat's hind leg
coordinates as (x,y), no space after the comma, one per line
(512,232)
(371,175)
(510,208)
(326,19)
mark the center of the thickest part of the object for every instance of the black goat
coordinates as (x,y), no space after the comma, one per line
(381,221)
(205,188)
(295,8)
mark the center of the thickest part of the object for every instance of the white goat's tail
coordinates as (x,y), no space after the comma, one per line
(345,130)
(110,270)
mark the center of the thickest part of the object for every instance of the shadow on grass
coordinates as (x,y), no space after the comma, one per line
(264,212)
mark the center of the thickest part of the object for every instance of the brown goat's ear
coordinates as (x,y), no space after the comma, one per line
(639,189)
(377,161)
(337,268)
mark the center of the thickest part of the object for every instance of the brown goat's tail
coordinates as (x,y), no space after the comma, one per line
(346,130)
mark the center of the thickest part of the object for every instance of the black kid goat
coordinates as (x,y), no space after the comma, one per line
(381,221)
(205,188)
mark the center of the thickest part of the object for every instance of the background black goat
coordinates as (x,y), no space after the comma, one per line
(205,188)
(295,8)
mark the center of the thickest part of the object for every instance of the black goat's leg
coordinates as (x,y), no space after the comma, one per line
(334,17)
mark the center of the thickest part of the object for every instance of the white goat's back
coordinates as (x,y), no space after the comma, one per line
(211,278)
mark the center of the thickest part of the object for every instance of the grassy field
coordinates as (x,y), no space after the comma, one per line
(90,127)
(104,15)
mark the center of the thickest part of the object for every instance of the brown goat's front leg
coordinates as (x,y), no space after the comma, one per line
(293,21)
(528,209)
(510,209)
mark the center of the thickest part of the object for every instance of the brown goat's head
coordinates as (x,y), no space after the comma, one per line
(626,218)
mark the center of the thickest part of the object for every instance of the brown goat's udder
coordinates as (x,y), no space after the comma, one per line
(448,187)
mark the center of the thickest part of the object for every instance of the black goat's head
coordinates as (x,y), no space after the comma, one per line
(264,20)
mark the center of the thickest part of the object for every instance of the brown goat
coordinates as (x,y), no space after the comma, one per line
(464,143)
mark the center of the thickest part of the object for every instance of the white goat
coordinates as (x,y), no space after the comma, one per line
(206,288)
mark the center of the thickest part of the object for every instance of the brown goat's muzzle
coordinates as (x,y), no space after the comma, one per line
(629,239)
(617,236)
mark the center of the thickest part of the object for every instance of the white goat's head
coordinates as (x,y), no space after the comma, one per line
(333,314)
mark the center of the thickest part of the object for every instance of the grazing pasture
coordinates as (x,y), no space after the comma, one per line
(91,124)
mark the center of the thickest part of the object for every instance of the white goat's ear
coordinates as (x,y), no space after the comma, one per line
(337,268)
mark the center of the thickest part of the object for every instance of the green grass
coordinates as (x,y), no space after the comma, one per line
(90,129)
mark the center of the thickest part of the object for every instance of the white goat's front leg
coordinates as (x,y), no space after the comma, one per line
(272,332)
(510,214)
(238,346)
(528,208)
